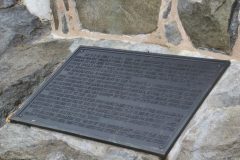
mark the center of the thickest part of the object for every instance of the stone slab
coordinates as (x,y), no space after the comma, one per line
(119,16)
(133,99)
(24,68)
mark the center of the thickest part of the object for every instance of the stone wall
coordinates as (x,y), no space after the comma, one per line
(29,54)
(209,25)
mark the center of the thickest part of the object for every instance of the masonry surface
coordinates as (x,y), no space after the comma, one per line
(34,43)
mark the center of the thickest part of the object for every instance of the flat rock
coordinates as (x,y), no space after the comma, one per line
(7,36)
(40,144)
(172,33)
(167,9)
(16,25)
(119,16)
(213,133)
(24,67)
(7,3)
(206,23)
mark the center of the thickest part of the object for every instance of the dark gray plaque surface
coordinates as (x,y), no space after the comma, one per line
(133,99)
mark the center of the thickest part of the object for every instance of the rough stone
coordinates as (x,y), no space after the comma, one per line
(24,67)
(64,25)
(33,143)
(6,37)
(7,3)
(206,22)
(234,23)
(215,130)
(16,23)
(40,8)
(167,9)
(172,33)
(119,16)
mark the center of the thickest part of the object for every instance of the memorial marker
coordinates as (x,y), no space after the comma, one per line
(132,99)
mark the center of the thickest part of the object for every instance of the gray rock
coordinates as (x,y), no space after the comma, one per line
(234,23)
(24,67)
(206,22)
(34,143)
(6,36)
(119,16)
(64,25)
(167,9)
(7,3)
(16,25)
(215,130)
(172,33)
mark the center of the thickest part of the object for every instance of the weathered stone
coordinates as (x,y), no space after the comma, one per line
(64,25)
(18,26)
(24,67)
(167,9)
(18,19)
(234,23)
(206,22)
(6,37)
(33,143)
(215,130)
(119,16)
(40,8)
(16,23)
(172,33)
(7,3)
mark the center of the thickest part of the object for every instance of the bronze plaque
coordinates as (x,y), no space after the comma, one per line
(133,99)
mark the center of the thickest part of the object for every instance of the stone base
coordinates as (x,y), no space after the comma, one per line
(213,133)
